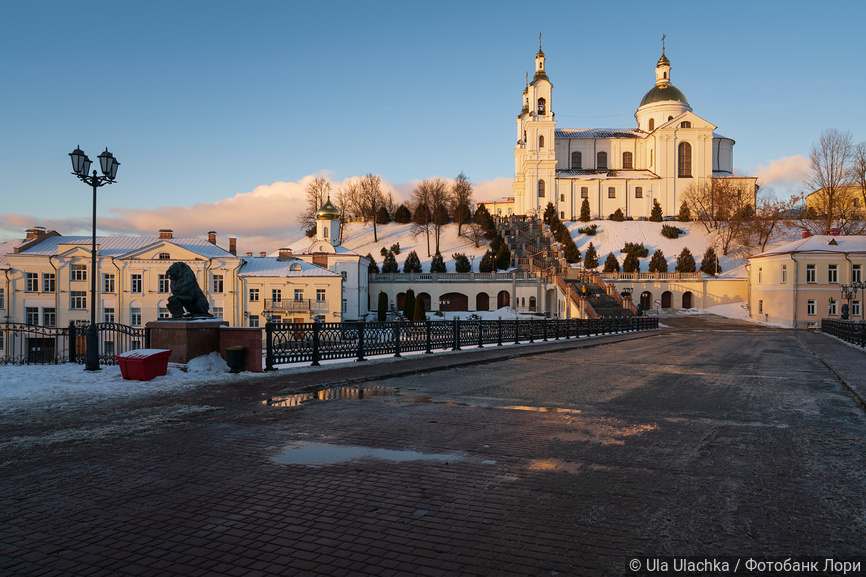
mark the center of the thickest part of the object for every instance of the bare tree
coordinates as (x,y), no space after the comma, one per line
(421,199)
(769,214)
(460,201)
(439,197)
(831,161)
(315,194)
(370,199)
(723,205)
(858,171)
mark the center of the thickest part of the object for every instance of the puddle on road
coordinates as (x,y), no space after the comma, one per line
(323,454)
(391,395)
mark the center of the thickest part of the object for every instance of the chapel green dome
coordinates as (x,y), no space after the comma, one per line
(328,212)
(663,93)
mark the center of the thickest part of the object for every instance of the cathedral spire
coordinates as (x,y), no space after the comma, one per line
(663,67)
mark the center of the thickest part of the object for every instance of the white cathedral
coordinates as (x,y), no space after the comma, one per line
(621,168)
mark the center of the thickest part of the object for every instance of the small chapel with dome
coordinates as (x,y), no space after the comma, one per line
(670,148)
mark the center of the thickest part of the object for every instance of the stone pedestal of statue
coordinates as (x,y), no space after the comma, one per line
(187,339)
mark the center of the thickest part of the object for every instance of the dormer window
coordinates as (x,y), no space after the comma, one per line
(164,256)
(541,106)
(294,266)
(685,124)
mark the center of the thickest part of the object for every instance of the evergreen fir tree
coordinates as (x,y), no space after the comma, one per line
(611,264)
(403,215)
(438,264)
(585,215)
(421,215)
(383,251)
(656,214)
(685,214)
(618,216)
(418,314)
(485,221)
(382,312)
(710,263)
(496,243)
(549,211)
(390,263)
(590,259)
(409,304)
(631,263)
(412,263)
(658,262)
(382,216)
(486,264)
(572,253)
(372,267)
(461,263)
(502,261)
(395,248)
(685,261)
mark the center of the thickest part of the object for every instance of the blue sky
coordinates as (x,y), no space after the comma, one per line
(222,109)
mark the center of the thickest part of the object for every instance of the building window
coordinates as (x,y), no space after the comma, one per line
(217,283)
(164,256)
(254,295)
(832,274)
(162,313)
(685,124)
(345,305)
(576,160)
(78,272)
(584,192)
(540,189)
(638,192)
(855,308)
(49,317)
(254,321)
(135,317)
(831,307)
(49,285)
(2,298)
(299,294)
(810,308)
(601,160)
(685,160)
(135,283)
(108,283)
(108,315)
(652,124)
(162,284)
(32,284)
(531,303)
(32,316)
(627,160)
(562,215)
(295,266)
(810,273)
(320,295)
(611,192)
(277,295)
(218,312)
(784,273)
(561,198)
(760,275)
(541,141)
(855,273)
(78,300)
(325,233)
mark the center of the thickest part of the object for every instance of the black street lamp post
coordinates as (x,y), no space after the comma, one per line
(81,168)
(849,292)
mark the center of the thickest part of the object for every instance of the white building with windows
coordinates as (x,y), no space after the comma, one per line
(615,168)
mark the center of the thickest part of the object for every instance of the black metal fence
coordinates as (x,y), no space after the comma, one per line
(315,342)
(850,331)
(22,344)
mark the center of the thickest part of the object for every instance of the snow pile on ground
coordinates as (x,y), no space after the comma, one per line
(738,311)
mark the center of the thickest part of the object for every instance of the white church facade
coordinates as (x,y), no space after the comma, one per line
(626,168)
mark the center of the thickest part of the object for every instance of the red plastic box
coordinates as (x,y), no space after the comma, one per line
(143,364)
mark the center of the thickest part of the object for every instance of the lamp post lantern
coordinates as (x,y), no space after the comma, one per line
(849,292)
(80,168)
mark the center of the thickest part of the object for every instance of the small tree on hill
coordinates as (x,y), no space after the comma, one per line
(656,214)
(418,314)
(438,264)
(572,253)
(403,215)
(372,267)
(618,216)
(710,263)
(685,261)
(611,264)
(585,215)
(412,263)
(382,216)
(631,263)
(685,214)
(461,263)
(502,261)
(486,264)
(382,311)
(658,262)
(549,211)
(390,263)
(409,304)
(590,259)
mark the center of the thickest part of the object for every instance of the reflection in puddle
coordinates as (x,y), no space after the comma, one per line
(542,409)
(321,454)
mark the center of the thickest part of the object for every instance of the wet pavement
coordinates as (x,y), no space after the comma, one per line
(709,437)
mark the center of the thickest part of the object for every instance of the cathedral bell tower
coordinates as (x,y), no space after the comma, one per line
(535,153)
(328,224)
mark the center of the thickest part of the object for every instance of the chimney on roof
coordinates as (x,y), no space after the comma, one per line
(211,237)
(285,254)
(233,246)
(35,232)
(263,254)
(249,254)
(806,233)
(834,231)
(166,233)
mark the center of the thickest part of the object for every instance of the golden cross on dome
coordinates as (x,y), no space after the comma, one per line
(539,40)
(663,43)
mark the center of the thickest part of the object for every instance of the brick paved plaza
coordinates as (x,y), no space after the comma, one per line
(708,437)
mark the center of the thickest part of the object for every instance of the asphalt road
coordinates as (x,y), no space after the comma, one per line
(710,437)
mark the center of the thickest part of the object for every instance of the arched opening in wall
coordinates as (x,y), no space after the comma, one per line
(652,125)
(454,302)
(667,300)
(533,305)
(687,300)
(541,141)
(401,301)
(503,299)
(482,302)
(576,160)
(601,160)
(542,106)
(540,189)
(427,301)
(646,300)
(685,124)
(684,158)
(627,160)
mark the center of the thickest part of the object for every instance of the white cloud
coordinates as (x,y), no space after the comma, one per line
(784,176)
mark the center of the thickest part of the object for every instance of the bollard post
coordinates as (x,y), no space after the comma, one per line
(531,330)
(499,331)
(428,329)
(361,326)
(456,333)
(516,333)
(315,345)
(269,347)
(397,326)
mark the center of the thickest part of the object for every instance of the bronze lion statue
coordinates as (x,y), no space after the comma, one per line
(185,293)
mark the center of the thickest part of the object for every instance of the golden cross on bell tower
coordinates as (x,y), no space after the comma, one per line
(539,40)
(663,44)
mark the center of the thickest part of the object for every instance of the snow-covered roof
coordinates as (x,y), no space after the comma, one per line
(603,174)
(117,246)
(599,133)
(339,249)
(821,244)
(274,267)
(6,248)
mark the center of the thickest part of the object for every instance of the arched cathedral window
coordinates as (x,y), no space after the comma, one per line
(685,124)
(542,105)
(540,189)
(652,124)
(541,141)
(601,160)
(576,160)
(684,158)
(627,160)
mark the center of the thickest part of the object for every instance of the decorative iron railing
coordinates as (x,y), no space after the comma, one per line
(315,342)
(850,331)
(22,344)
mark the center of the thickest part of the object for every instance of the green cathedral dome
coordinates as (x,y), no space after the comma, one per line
(663,93)
(328,212)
